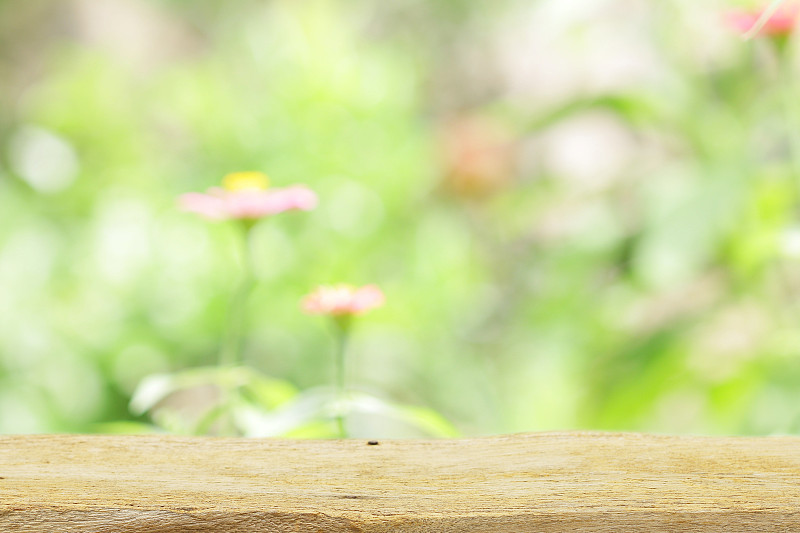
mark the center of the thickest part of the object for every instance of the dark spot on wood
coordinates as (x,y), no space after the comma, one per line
(373,443)
(350,497)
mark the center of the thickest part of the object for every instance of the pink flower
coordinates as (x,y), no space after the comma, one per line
(781,23)
(246,196)
(341,300)
(477,155)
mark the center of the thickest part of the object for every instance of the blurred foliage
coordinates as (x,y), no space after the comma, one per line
(583,214)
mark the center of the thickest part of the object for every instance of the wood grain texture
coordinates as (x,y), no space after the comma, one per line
(564,482)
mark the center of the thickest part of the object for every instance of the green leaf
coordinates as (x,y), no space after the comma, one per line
(422,418)
(258,388)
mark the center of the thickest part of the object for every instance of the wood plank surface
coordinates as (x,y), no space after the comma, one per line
(563,482)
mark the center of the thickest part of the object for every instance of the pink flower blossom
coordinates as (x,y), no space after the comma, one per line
(478,156)
(246,197)
(781,23)
(342,300)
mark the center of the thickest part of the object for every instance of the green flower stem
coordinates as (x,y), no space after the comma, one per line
(342,325)
(230,354)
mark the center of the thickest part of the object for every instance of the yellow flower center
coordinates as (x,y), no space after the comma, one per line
(245,181)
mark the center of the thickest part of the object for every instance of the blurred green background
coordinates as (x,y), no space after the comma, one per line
(584,214)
